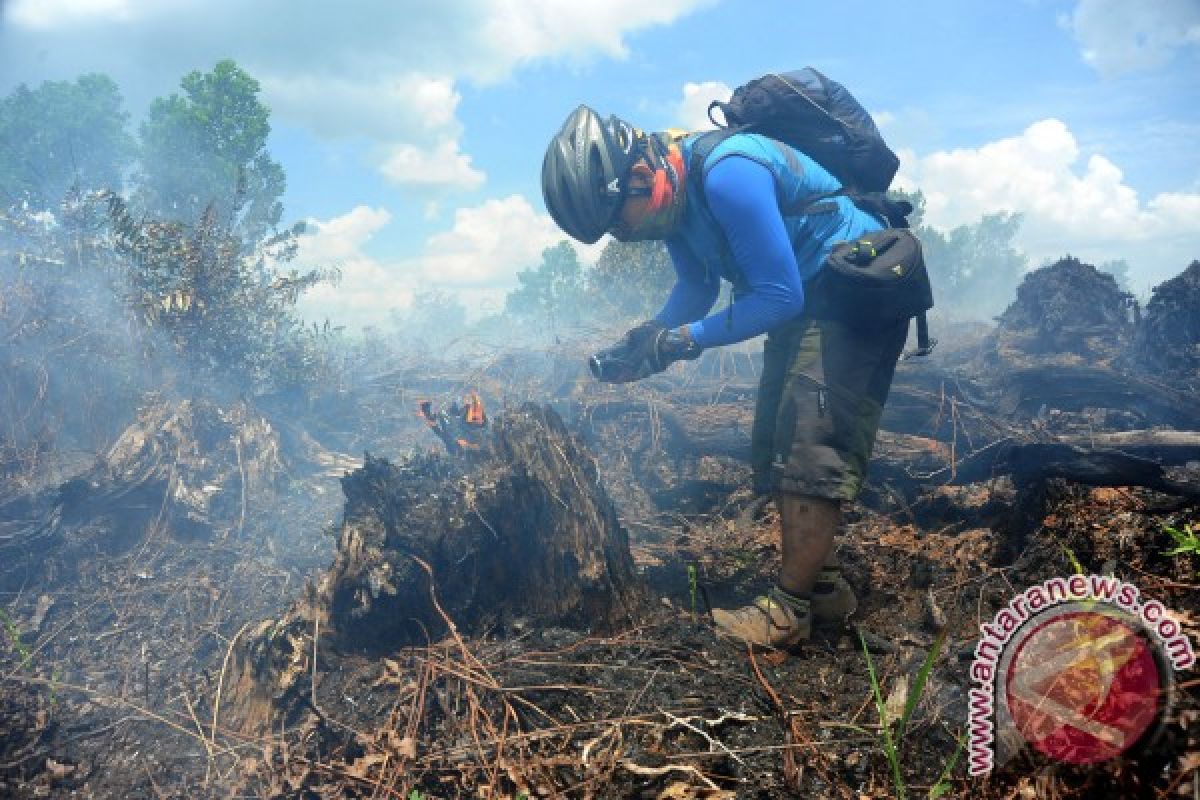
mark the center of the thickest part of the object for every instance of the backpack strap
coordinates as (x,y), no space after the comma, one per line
(725,113)
(703,148)
(707,142)
(925,345)
(821,204)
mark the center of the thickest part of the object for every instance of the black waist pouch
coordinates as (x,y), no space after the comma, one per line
(874,281)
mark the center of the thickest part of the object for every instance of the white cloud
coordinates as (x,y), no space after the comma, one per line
(488,244)
(1086,210)
(372,69)
(516,31)
(46,14)
(342,237)
(1118,36)
(440,166)
(477,258)
(369,289)
(413,115)
(692,112)
(414,106)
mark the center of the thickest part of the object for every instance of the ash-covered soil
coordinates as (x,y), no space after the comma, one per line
(663,709)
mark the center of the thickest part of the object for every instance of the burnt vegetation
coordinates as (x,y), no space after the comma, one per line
(235,563)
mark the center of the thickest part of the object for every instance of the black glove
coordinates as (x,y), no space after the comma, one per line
(643,336)
(675,345)
(632,358)
(644,351)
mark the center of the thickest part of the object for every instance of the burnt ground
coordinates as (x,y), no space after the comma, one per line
(119,635)
(115,694)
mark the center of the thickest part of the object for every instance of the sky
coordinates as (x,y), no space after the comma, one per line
(412,133)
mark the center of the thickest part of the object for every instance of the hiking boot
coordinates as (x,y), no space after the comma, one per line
(775,619)
(833,599)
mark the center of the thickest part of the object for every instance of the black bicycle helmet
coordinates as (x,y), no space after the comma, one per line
(584,171)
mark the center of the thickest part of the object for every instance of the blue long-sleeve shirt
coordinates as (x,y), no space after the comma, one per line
(743,197)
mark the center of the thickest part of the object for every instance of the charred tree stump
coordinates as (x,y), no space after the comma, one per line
(1068,307)
(523,531)
(1167,343)
(193,469)
(193,465)
(528,532)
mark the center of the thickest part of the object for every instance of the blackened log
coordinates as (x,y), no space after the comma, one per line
(1164,446)
(1031,463)
(1074,387)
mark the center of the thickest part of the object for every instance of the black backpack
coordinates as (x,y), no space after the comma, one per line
(819,117)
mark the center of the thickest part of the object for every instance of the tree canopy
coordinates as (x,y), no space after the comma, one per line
(62,134)
(552,293)
(208,146)
(226,309)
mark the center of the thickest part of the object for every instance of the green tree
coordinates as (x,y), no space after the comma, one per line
(208,147)
(60,135)
(553,293)
(632,279)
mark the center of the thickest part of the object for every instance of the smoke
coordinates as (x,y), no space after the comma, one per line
(74,362)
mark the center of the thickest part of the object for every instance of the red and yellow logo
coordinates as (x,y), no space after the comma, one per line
(1084,686)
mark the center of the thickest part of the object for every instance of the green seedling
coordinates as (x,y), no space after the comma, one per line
(1187,541)
(1075,563)
(918,688)
(14,636)
(942,785)
(890,748)
(892,741)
